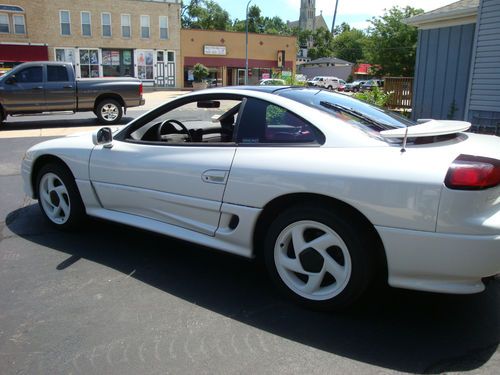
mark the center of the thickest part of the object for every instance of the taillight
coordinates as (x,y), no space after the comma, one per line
(468,172)
(140,89)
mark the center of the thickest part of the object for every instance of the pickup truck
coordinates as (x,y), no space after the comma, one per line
(51,86)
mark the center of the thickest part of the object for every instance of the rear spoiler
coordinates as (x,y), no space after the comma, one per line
(430,128)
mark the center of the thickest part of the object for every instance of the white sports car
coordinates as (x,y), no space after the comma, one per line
(328,191)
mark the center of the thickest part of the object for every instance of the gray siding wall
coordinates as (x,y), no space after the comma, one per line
(442,72)
(484,101)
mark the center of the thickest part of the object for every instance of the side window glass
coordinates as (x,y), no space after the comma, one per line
(57,74)
(30,75)
(263,122)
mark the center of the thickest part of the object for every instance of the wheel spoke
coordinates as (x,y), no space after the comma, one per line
(323,242)
(60,190)
(57,212)
(314,282)
(335,269)
(290,264)
(64,207)
(299,243)
(50,183)
(46,198)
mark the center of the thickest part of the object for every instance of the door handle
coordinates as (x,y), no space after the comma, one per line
(38,88)
(68,87)
(215,176)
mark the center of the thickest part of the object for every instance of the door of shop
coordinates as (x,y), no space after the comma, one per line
(160,69)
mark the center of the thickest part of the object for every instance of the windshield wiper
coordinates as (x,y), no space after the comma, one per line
(352,112)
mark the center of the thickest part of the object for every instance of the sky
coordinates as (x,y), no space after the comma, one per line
(355,13)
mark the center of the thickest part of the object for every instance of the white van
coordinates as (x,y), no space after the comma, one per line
(330,83)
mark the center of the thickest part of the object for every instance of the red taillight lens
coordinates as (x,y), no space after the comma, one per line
(473,173)
(140,89)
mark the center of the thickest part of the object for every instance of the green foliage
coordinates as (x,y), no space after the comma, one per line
(349,45)
(322,44)
(200,71)
(204,14)
(292,81)
(392,44)
(374,96)
(259,24)
(274,115)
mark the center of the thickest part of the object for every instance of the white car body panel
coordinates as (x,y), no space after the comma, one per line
(435,239)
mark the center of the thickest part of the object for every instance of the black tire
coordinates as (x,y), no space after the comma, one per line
(109,112)
(330,88)
(61,176)
(358,250)
(3,116)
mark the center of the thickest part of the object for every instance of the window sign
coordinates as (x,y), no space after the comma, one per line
(65,55)
(145,64)
(89,63)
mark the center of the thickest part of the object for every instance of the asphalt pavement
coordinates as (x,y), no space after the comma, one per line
(110,299)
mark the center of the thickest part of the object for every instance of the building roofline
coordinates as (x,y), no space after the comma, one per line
(431,17)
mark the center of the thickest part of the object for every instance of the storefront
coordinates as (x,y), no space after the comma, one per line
(223,53)
(15,54)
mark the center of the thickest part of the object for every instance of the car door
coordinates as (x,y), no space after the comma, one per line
(60,88)
(24,90)
(177,183)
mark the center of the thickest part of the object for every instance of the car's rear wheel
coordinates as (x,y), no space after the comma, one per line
(318,258)
(58,197)
(109,112)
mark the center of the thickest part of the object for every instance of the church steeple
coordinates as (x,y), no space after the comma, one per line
(307,18)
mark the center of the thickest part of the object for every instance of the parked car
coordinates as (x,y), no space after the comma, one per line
(370,84)
(330,83)
(353,86)
(272,82)
(51,86)
(341,86)
(330,192)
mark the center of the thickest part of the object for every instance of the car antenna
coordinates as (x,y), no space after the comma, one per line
(405,139)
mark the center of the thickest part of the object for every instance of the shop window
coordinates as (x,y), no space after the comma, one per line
(106,24)
(57,73)
(19,24)
(126,28)
(163,27)
(145,63)
(145,26)
(86,24)
(4,23)
(65,21)
(65,55)
(89,63)
(117,63)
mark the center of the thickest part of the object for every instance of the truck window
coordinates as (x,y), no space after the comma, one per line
(30,75)
(57,73)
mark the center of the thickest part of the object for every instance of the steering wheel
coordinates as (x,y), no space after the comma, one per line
(171,123)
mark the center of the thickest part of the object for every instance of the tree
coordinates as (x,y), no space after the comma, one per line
(392,44)
(262,25)
(349,44)
(204,14)
(322,44)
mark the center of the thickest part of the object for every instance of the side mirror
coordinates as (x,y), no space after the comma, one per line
(103,136)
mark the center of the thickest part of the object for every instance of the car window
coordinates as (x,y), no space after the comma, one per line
(30,75)
(57,73)
(264,122)
(197,121)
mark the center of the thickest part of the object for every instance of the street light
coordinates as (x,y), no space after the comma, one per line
(246,44)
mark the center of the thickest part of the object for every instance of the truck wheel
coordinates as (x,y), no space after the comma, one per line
(109,112)
(3,116)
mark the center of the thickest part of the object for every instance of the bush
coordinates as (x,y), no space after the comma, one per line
(200,71)
(374,96)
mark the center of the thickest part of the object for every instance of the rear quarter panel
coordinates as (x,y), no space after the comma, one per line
(88,90)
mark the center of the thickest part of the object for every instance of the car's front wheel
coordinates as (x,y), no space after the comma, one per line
(58,197)
(318,258)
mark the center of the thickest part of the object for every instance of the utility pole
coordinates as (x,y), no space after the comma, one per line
(335,16)
(246,45)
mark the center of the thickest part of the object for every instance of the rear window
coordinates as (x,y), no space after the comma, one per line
(331,102)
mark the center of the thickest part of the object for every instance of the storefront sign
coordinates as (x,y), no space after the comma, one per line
(286,74)
(214,50)
(281,59)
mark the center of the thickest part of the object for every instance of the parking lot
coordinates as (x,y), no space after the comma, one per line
(110,299)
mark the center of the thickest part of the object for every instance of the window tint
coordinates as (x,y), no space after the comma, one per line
(57,74)
(30,75)
(263,122)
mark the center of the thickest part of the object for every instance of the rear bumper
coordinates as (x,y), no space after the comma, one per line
(440,262)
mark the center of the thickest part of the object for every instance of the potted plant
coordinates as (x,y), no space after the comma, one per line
(200,72)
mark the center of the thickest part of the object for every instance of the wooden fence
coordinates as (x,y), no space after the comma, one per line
(401,89)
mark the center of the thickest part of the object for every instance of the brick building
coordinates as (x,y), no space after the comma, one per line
(105,38)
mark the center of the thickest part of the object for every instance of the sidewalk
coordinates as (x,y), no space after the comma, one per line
(153,100)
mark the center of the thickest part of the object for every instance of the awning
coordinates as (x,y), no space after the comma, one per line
(23,53)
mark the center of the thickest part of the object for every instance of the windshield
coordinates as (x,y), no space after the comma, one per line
(348,109)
